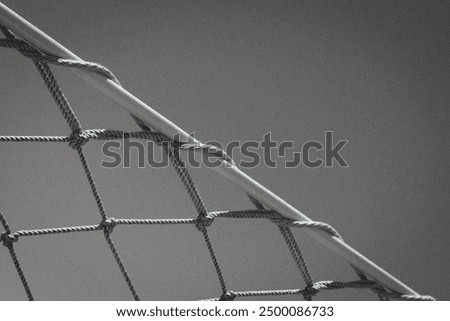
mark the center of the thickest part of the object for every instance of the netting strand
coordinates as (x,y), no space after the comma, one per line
(78,137)
(75,140)
(7,239)
(293,248)
(202,221)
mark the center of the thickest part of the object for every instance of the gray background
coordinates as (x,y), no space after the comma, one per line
(374,72)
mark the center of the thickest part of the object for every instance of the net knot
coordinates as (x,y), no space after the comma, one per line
(219,152)
(203,222)
(211,149)
(7,239)
(228,296)
(76,140)
(108,224)
(309,291)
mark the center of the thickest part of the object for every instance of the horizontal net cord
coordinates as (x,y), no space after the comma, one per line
(320,286)
(277,219)
(8,239)
(98,134)
(246,214)
(84,136)
(40,139)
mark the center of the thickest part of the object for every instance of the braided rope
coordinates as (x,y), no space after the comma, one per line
(292,245)
(329,285)
(125,221)
(202,220)
(35,54)
(78,137)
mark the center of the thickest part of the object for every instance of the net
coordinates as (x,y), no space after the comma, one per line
(204,219)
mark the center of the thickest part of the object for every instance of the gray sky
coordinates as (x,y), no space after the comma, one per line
(373,72)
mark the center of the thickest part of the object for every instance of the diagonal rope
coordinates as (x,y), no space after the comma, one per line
(202,220)
(293,248)
(58,96)
(75,141)
(35,54)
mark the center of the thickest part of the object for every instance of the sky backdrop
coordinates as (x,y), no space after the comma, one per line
(374,73)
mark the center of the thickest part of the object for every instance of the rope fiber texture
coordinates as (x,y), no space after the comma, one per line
(78,137)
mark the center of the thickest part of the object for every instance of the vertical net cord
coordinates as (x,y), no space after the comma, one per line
(107,227)
(202,220)
(8,241)
(293,248)
(76,144)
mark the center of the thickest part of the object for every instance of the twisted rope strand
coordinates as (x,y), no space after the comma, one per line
(292,245)
(202,219)
(330,285)
(37,55)
(75,140)
(119,221)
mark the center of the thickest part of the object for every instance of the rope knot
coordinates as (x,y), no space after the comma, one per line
(219,152)
(309,291)
(228,296)
(76,140)
(203,222)
(108,224)
(7,239)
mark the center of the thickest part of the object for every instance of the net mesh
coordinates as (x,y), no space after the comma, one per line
(79,137)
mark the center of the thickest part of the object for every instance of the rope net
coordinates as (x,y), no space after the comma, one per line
(79,137)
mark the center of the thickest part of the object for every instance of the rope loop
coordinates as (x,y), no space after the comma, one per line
(8,239)
(309,291)
(211,149)
(77,139)
(228,296)
(202,222)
